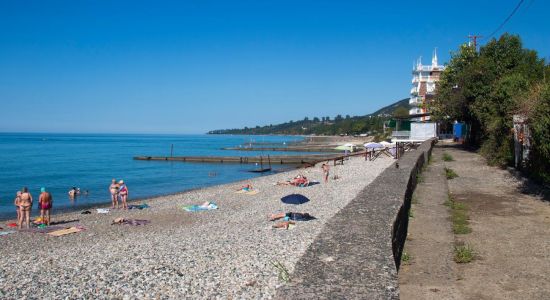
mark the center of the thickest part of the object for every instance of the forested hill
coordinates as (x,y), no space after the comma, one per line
(371,123)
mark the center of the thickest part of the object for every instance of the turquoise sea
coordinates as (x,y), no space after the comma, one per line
(89,161)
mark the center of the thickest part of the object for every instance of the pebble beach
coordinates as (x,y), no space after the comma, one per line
(227,253)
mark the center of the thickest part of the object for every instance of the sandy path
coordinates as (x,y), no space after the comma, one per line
(510,236)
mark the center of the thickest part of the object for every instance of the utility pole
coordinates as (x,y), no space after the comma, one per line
(473,39)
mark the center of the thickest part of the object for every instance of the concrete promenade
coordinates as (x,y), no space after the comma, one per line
(353,257)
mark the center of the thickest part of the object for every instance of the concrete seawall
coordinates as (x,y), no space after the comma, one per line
(358,253)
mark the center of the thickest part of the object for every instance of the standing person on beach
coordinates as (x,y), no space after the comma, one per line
(123,192)
(113,189)
(25,205)
(45,202)
(16,203)
(325,169)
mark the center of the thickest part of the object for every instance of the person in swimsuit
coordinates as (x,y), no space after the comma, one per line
(25,204)
(289,219)
(45,202)
(247,187)
(113,189)
(123,192)
(325,169)
(16,203)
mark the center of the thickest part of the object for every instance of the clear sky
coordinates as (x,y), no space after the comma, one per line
(193,66)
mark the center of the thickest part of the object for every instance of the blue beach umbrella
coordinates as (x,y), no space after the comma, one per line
(295,199)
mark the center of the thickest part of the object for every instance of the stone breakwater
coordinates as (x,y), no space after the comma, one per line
(224,253)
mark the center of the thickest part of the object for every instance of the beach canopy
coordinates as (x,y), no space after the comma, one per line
(349,147)
(373,145)
(296,199)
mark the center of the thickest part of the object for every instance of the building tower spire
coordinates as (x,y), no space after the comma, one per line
(434,58)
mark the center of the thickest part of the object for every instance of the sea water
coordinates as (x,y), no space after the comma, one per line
(59,162)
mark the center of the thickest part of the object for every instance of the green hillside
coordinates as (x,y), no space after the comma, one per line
(371,123)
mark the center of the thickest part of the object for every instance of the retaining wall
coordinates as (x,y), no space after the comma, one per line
(358,253)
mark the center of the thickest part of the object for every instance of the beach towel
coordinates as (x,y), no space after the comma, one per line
(7,232)
(12,225)
(135,222)
(195,208)
(43,229)
(102,210)
(253,192)
(141,206)
(132,222)
(65,231)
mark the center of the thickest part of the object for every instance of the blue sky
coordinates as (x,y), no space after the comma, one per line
(193,66)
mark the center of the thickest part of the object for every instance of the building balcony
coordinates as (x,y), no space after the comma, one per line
(415,101)
(415,111)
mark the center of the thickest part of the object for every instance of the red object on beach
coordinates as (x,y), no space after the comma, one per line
(12,225)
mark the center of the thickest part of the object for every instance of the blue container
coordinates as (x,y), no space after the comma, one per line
(458,131)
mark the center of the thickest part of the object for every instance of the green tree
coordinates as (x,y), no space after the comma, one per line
(401,113)
(480,88)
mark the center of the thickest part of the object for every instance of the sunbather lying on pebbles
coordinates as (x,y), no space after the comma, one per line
(247,187)
(289,218)
(299,180)
(292,216)
(284,224)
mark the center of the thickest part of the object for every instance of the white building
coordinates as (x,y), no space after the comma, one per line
(423,87)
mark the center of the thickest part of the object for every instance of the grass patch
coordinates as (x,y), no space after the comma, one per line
(411,214)
(450,173)
(464,254)
(284,275)
(405,257)
(459,216)
(447,157)
(419,178)
(414,200)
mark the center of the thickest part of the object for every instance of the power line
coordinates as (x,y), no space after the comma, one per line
(506,20)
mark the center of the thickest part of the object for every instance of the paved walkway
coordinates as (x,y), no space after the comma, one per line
(510,236)
(430,272)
